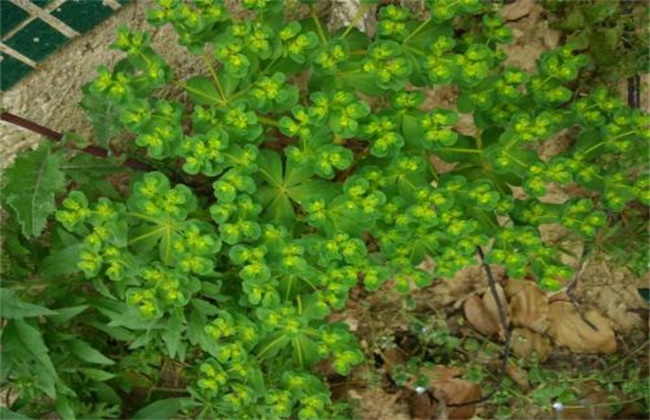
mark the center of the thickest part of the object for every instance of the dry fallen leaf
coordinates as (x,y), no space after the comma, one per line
(479,317)
(525,342)
(421,405)
(518,376)
(457,391)
(529,308)
(449,389)
(493,309)
(568,329)
(517,10)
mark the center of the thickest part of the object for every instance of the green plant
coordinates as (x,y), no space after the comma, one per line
(614,34)
(272,198)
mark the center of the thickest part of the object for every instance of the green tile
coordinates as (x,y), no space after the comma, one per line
(11,71)
(10,16)
(84,15)
(36,40)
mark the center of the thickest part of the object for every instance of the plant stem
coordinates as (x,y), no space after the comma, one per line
(267,121)
(415,32)
(319,28)
(459,150)
(96,151)
(206,60)
(360,13)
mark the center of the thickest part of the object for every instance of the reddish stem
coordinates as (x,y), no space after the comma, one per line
(97,151)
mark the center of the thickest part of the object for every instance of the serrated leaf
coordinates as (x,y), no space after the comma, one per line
(23,342)
(61,262)
(104,117)
(30,186)
(88,353)
(12,307)
(172,333)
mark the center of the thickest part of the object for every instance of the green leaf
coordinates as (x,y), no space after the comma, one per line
(64,315)
(271,167)
(30,186)
(6,413)
(97,374)
(62,262)
(12,307)
(164,409)
(103,115)
(172,333)
(89,354)
(202,91)
(23,342)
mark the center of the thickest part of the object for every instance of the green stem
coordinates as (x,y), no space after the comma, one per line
(360,13)
(206,60)
(268,121)
(415,50)
(517,161)
(459,150)
(415,32)
(319,28)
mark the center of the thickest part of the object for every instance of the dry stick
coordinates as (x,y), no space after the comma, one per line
(572,286)
(506,330)
(96,151)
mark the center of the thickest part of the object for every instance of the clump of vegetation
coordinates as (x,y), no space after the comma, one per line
(201,283)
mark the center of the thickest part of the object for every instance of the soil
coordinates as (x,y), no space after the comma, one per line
(380,319)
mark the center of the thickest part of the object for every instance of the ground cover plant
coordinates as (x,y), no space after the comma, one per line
(196,258)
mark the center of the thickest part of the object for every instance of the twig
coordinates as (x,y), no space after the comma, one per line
(571,288)
(504,324)
(96,151)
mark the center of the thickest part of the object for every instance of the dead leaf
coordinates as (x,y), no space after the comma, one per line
(392,358)
(441,372)
(479,317)
(529,308)
(525,342)
(517,10)
(493,309)
(518,376)
(568,329)
(457,391)
(449,389)
(421,405)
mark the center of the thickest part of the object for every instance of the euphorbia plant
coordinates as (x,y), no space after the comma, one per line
(274,197)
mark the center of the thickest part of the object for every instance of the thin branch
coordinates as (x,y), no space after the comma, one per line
(96,151)
(504,324)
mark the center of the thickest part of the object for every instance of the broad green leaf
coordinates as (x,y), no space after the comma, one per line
(64,408)
(97,374)
(62,262)
(6,413)
(12,307)
(31,185)
(64,315)
(172,333)
(103,115)
(271,167)
(89,354)
(203,91)
(204,307)
(278,206)
(164,409)
(23,342)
